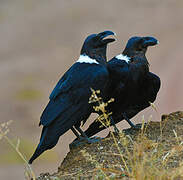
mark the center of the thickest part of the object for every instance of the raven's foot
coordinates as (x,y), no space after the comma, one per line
(133,126)
(116,130)
(83,140)
(138,126)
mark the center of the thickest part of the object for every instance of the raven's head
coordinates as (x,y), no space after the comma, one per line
(138,45)
(95,45)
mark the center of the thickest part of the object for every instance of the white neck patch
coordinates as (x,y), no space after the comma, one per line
(123,57)
(86,59)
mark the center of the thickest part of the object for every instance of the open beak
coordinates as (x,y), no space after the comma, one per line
(110,37)
(107,36)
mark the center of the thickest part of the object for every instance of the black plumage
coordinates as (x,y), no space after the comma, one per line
(131,85)
(68,104)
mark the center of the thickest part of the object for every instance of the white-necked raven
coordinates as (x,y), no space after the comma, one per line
(68,104)
(132,86)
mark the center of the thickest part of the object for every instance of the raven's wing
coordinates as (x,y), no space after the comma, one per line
(146,93)
(73,88)
(154,84)
(55,92)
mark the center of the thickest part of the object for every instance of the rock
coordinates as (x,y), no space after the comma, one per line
(154,150)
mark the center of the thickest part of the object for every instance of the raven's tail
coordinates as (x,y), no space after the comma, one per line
(51,133)
(38,150)
(37,153)
(50,136)
(45,143)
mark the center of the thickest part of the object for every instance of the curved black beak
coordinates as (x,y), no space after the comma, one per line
(107,36)
(150,41)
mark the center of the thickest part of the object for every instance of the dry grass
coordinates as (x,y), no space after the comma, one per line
(4,130)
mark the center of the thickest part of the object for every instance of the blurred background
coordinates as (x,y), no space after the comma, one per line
(40,40)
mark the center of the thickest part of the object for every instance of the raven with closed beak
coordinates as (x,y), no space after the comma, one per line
(68,104)
(131,85)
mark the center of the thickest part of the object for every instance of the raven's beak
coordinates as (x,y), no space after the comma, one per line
(150,41)
(108,33)
(107,36)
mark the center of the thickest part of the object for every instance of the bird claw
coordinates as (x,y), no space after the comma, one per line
(133,126)
(83,140)
(116,130)
(137,126)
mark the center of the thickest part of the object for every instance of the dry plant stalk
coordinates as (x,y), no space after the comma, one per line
(104,118)
(4,129)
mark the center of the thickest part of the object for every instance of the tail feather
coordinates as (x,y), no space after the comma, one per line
(48,140)
(37,153)
(50,134)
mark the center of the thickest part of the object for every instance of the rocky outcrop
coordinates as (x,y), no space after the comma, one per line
(155,150)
